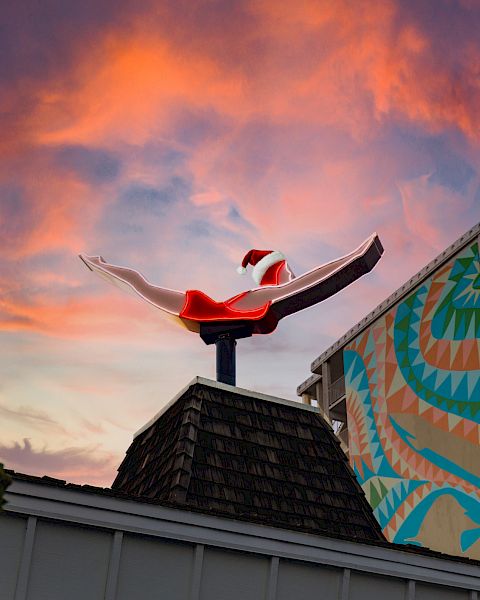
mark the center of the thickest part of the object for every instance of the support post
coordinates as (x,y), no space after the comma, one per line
(307,399)
(226,368)
(319,393)
(326,388)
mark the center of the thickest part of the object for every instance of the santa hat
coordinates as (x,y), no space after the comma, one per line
(262,261)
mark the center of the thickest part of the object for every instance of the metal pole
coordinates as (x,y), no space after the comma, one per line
(226,369)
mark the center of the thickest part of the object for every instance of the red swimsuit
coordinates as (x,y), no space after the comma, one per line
(200,307)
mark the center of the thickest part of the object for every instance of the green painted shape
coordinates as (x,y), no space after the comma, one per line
(375,498)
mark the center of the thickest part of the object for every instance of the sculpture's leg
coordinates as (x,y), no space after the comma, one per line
(170,301)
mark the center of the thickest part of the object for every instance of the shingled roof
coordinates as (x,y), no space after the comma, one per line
(231,452)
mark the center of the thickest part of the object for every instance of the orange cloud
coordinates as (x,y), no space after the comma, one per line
(127,89)
(366,65)
(320,63)
(105,316)
(56,210)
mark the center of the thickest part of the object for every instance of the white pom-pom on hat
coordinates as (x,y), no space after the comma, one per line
(241,270)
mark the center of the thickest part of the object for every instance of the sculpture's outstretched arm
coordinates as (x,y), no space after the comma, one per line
(300,284)
(170,301)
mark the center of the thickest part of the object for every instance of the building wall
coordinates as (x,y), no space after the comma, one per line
(413,404)
(73,562)
(59,543)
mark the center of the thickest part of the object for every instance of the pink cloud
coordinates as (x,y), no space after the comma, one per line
(38,419)
(434,213)
(108,316)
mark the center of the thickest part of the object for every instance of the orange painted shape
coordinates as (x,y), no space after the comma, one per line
(435,291)
(468,426)
(472,436)
(393,522)
(363,344)
(437,414)
(458,362)
(410,402)
(442,423)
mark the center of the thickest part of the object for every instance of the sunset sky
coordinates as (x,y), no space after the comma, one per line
(172,137)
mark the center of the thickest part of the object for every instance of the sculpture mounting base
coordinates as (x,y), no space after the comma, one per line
(224,336)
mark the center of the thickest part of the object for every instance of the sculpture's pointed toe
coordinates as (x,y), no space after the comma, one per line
(92,261)
(85,259)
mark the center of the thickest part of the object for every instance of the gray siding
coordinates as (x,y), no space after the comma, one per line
(60,544)
(365,585)
(233,575)
(12,535)
(423,591)
(304,580)
(68,562)
(152,568)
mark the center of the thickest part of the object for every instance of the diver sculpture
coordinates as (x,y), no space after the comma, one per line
(257,311)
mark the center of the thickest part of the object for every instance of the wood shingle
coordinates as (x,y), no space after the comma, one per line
(277,463)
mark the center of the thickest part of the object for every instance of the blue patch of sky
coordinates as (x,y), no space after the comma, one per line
(200,228)
(433,155)
(142,198)
(451,169)
(140,206)
(193,128)
(93,165)
(237,218)
(158,153)
(39,40)
(17,216)
(477,197)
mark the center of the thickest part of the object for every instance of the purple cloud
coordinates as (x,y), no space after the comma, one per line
(77,464)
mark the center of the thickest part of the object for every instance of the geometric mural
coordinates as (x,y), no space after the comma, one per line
(413,406)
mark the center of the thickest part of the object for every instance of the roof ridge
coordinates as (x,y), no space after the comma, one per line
(185,444)
(219,386)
